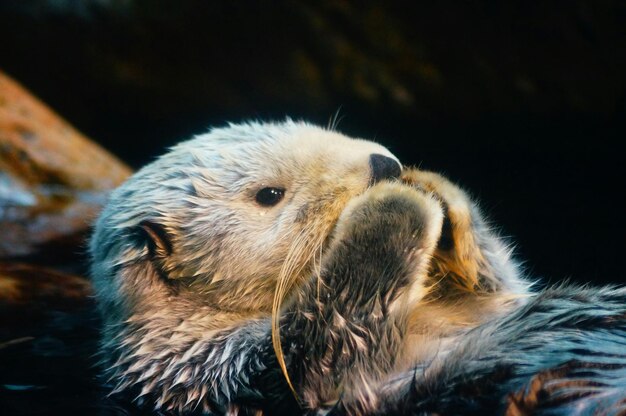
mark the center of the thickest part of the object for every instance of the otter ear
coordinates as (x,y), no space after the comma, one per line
(157,239)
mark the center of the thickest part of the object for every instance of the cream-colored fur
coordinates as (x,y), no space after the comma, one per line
(187,266)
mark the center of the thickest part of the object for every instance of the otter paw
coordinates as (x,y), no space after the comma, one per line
(457,224)
(459,258)
(390,215)
(385,238)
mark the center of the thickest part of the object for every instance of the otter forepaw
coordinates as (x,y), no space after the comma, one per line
(356,312)
(469,256)
(389,233)
(457,226)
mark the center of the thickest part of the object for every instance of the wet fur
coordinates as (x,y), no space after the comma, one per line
(398,298)
(563,353)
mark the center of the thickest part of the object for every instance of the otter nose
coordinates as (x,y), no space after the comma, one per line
(383,167)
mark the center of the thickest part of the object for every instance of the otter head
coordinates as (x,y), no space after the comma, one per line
(227,215)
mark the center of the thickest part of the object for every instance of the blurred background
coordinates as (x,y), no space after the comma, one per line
(522,103)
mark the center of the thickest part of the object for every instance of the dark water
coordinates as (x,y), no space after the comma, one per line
(46,364)
(48,340)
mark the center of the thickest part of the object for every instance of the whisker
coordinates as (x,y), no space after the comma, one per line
(303,252)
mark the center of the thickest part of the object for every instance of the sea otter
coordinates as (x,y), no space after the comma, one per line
(285,268)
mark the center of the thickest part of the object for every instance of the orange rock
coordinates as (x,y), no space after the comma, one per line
(25,284)
(40,147)
(53,180)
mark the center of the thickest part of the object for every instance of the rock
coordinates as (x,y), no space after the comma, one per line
(24,284)
(53,180)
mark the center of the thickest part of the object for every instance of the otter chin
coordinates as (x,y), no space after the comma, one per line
(284,268)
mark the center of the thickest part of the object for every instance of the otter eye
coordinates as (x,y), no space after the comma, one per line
(270,196)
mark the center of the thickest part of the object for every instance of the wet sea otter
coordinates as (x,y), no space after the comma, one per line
(286,268)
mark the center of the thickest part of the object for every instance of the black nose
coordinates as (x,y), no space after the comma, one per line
(383,167)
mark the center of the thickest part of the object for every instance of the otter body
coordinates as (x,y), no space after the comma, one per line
(285,268)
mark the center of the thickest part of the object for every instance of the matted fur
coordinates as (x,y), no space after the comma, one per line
(389,297)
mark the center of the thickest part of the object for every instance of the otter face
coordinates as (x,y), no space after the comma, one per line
(225,214)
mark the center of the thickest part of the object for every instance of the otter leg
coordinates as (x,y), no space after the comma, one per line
(344,330)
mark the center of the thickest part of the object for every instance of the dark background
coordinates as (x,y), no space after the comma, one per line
(522,102)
